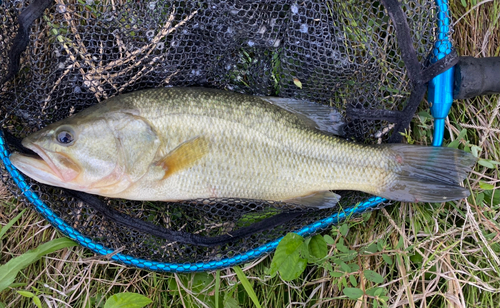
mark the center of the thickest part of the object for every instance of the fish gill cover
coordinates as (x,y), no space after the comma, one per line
(348,54)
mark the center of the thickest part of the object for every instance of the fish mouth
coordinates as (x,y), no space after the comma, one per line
(42,168)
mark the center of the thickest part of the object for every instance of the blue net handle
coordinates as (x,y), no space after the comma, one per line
(440,92)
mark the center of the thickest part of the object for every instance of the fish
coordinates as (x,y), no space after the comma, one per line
(171,144)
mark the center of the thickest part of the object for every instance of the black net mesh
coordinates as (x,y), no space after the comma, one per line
(343,53)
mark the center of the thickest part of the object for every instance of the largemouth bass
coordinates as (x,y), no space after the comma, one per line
(186,143)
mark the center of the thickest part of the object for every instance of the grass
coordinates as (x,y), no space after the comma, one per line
(430,255)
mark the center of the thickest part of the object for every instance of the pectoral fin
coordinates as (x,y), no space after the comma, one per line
(186,155)
(320,200)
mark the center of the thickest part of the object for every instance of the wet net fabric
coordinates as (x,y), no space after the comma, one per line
(79,53)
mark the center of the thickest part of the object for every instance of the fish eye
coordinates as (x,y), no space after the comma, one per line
(65,137)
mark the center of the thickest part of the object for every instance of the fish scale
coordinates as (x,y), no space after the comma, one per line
(253,139)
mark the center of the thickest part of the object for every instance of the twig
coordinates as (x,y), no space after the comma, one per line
(96,76)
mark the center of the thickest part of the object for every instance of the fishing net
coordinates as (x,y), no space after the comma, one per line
(369,59)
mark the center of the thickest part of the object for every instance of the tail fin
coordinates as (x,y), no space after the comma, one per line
(428,174)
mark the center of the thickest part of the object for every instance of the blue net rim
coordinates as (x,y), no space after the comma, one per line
(445,78)
(85,241)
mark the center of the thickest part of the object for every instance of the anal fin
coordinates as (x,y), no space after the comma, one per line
(320,200)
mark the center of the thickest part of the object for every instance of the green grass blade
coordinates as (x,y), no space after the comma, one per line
(9,270)
(248,287)
(217,288)
(10,224)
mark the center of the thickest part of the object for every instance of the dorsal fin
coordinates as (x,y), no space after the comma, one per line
(322,117)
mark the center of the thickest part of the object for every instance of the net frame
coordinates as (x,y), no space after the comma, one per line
(440,101)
